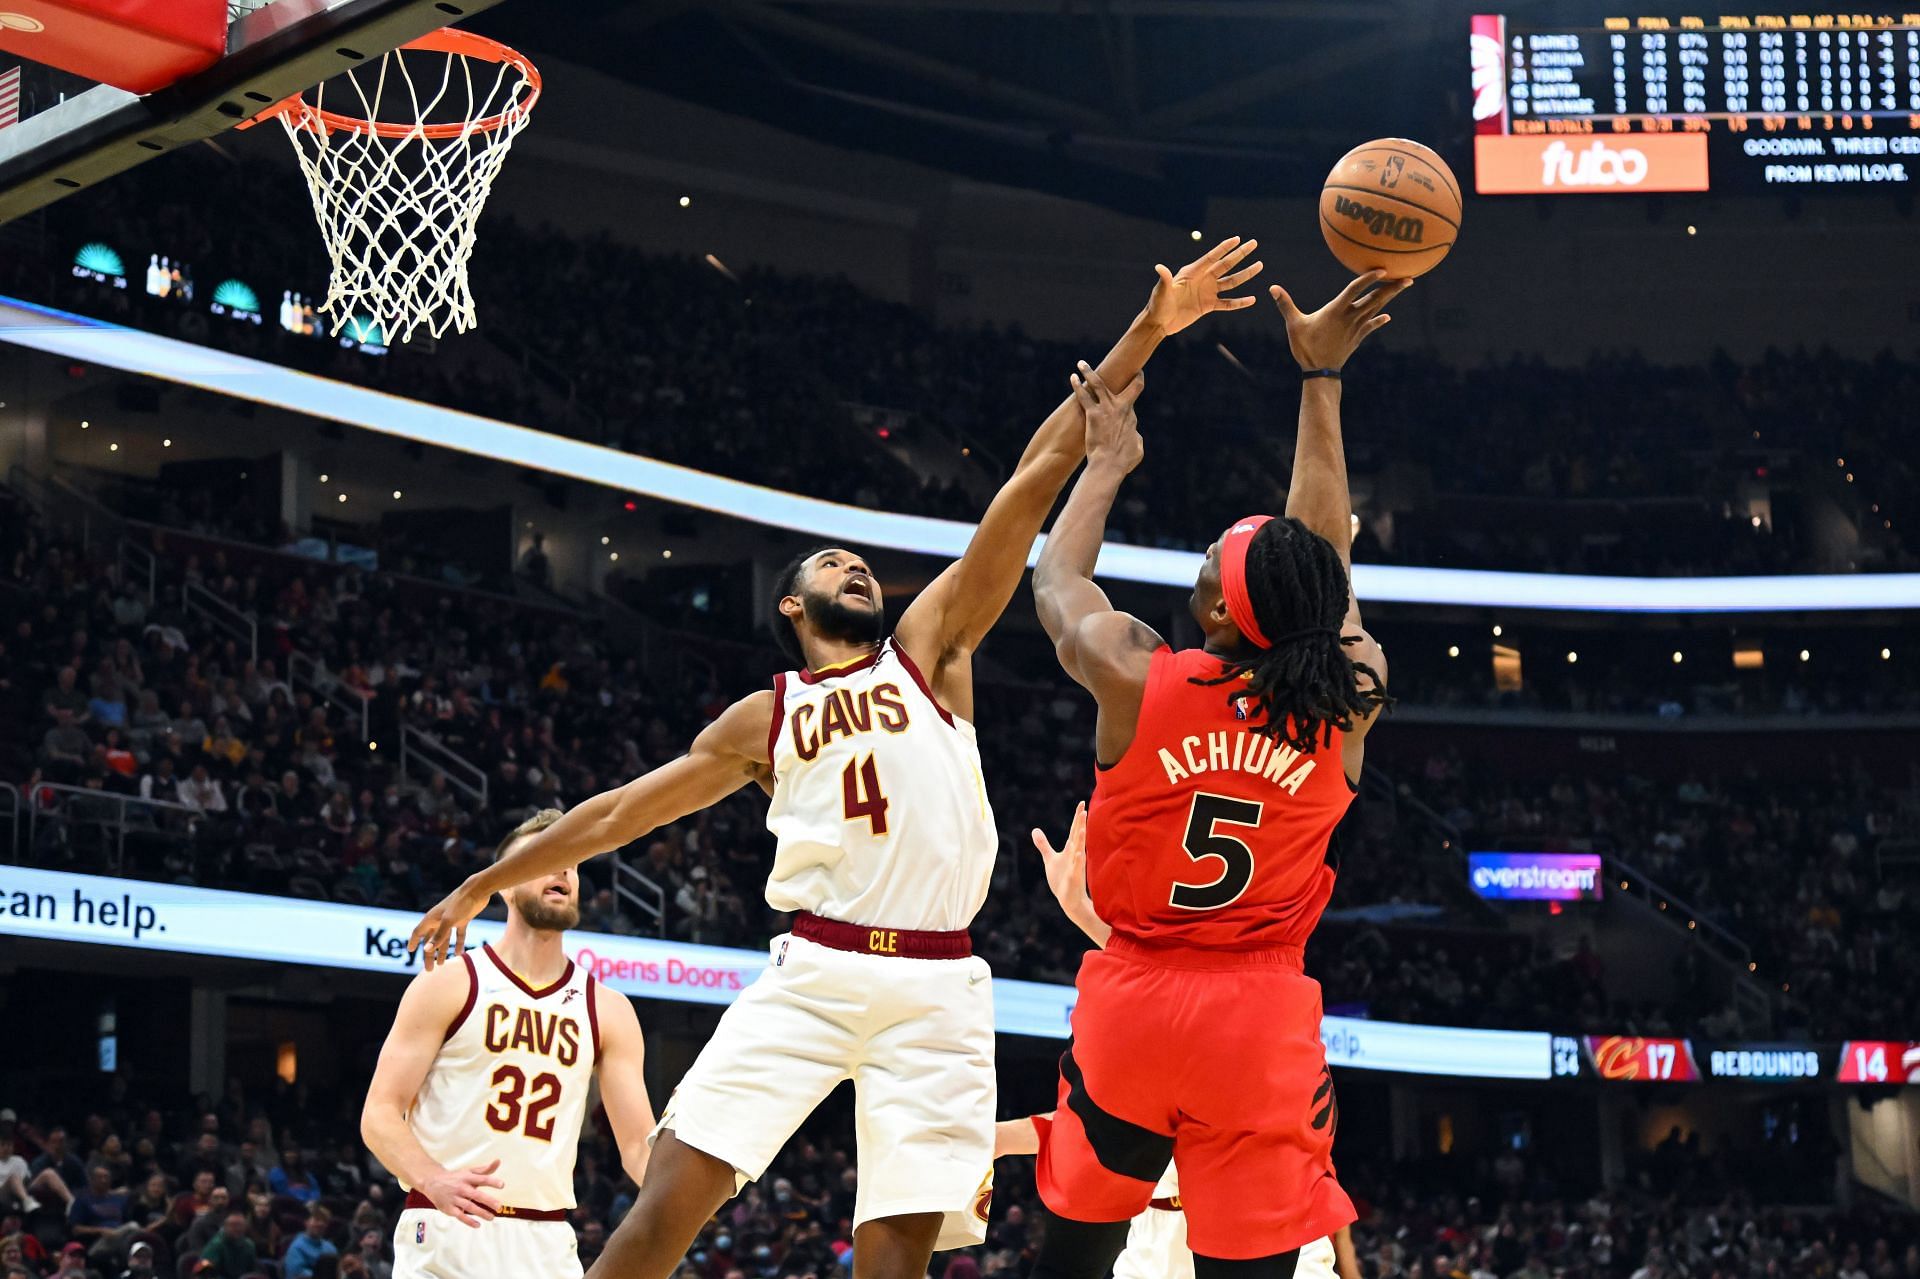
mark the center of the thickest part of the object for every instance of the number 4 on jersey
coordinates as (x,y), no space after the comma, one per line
(860,787)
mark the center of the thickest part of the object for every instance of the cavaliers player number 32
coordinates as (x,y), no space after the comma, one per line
(483,1085)
(1223,773)
(884,848)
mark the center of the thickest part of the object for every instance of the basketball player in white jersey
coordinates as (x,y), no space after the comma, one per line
(885,848)
(482,1087)
(1157,1238)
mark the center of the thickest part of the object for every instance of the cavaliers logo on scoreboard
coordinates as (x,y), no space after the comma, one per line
(1630,1058)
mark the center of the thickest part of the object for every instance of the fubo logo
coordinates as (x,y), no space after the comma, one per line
(1599,165)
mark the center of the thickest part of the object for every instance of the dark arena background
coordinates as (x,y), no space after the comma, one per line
(306,607)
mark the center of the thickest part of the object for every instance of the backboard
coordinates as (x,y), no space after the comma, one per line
(73,134)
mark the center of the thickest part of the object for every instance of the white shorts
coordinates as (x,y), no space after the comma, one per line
(916,1038)
(428,1244)
(1157,1249)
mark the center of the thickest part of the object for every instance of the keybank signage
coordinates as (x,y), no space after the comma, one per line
(57,906)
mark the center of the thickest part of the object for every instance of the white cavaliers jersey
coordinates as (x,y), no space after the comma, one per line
(511,1082)
(879,807)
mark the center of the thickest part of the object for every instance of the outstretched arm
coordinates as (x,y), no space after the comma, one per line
(1106,652)
(728,753)
(955,612)
(1318,496)
(1326,339)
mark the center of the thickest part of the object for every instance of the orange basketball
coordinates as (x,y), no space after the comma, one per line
(1390,204)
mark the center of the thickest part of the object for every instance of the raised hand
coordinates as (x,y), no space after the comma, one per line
(1113,431)
(458,1194)
(1067,866)
(447,921)
(1326,338)
(1180,298)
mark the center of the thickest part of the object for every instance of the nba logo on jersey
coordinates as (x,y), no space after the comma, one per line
(1239,708)
(419,1232)
(781,958)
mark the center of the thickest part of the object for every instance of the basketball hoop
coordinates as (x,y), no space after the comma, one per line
(398,198)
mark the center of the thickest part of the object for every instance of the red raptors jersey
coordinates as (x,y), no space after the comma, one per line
(1207,833)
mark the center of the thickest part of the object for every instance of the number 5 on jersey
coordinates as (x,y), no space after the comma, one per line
(1205,842)
(860,788)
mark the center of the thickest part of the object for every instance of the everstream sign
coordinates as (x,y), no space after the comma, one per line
(1563,877)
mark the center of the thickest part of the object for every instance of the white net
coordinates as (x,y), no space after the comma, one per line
(398,203)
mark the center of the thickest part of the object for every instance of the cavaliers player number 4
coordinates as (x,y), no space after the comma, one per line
(1223,772)
(885,844)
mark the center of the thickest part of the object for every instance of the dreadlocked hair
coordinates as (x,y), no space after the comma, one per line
(1305,684)
(788,583)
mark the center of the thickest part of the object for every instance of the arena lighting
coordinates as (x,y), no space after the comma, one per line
(129,350)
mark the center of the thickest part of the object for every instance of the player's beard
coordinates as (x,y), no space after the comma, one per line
(828,618)
(537,914)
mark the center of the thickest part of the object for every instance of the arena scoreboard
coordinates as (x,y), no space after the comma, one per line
(1711,101)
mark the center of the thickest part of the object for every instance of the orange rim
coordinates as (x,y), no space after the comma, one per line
(304,115)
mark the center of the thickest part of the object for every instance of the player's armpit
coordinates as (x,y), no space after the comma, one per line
(1108,653)
(623,1080)
(1365,653)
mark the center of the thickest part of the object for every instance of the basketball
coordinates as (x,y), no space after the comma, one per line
(1391,205)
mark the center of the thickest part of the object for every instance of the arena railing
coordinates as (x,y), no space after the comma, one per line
(416,744)
(48,801)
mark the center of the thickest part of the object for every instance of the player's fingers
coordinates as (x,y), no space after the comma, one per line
(1098,383)
(1045,845)
(1083,392)
(460,941)
(484,1169)
(1236,257)
(1166,276)
(1358,285)
(1220,250)
(1377,322)
(1374,301)
(1236,304)
(1230,282)
(1283,300)
(1131,391)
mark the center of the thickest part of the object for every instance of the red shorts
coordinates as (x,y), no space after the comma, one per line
(1212,1059)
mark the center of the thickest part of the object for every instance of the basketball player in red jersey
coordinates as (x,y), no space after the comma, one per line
(885,845)
(1223,772)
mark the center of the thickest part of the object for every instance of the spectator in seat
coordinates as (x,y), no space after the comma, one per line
(73,1262)
(201,793)
(58,1157)
(256,802)
(230,1254)
(66,748)
(205,1225)
(292,1179)
(65,695)
(372,1253)
(309,1245)
(295,802)
(22,1188)
(140,1262)
(160,782)
(99,1213)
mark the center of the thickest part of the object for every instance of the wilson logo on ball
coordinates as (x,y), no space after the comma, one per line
(1379,222)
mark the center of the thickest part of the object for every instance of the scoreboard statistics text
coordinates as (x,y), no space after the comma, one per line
(1780,101)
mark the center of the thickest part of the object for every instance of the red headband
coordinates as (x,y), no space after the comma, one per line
(1233,578)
